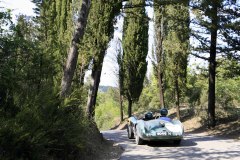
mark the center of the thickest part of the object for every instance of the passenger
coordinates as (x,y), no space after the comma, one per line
(163,116)
(148,116)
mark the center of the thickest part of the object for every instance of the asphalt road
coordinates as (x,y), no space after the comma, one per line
(192,147)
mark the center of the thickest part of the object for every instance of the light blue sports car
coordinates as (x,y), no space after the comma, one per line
(154,129)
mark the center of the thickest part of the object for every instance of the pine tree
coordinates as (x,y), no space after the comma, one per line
(218,19)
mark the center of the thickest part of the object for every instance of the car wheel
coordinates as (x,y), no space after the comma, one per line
(177,142)
(130,132)
(139,140)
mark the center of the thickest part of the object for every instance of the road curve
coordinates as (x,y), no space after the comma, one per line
(193,147)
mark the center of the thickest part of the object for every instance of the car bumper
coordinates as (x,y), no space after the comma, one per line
(155,137)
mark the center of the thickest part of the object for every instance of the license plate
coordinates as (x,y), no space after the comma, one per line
(161,133)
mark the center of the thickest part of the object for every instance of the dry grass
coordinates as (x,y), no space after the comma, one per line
(227,123)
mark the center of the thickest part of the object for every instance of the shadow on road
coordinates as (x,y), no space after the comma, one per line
(169,143)
(183,154)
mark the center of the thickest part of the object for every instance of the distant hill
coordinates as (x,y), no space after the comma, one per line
(104,88)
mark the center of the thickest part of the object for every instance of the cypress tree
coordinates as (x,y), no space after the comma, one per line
(177,48)
(100,29)
(135,49)
(158,53)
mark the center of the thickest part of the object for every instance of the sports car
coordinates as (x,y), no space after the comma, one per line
(158,129)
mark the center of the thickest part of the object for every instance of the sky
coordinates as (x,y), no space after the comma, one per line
(19,6)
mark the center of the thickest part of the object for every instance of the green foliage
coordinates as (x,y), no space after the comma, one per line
(107,111)
(149,98)
(196,89)
(99,32)
(176,46)
(34,122)
(227,86)
(227,89)
(171,51)
(43,130)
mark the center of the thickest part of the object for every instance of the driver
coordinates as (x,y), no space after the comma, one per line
(163,116)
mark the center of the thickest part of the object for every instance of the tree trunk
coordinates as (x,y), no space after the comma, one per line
(92,93)
(93,90)
(129,107)
(70,66)
(211,91)
(212,69)
(177,96)
(161,91)
(82,74)
(121,107)
(160,76)
(120,82)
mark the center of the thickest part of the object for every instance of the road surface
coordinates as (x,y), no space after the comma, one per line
(193,147)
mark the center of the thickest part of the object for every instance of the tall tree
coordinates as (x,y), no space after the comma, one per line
(120,78)
(101,29)
(218,20)
(177,47)
(135,49)
(158,54)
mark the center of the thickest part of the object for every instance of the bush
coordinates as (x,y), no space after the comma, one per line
(52,130)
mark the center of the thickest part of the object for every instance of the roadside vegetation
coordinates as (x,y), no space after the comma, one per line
(193,104)
(47,111)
